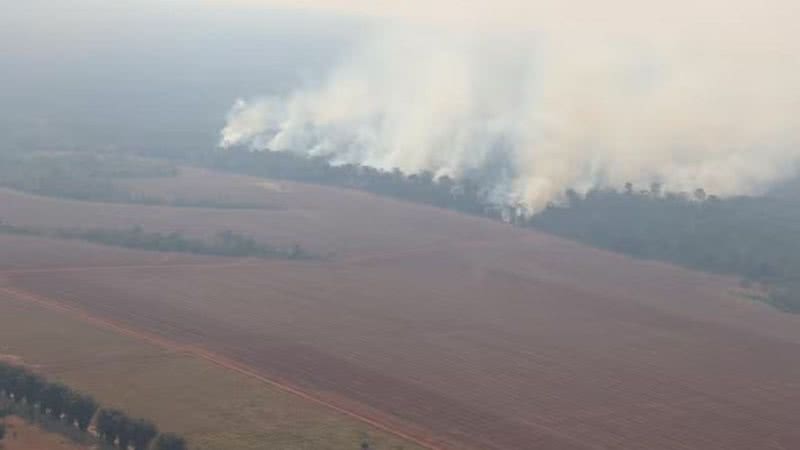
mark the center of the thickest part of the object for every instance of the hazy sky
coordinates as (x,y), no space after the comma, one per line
(37,25)
(631,14)
(565,93)
(700,92)
(158,73)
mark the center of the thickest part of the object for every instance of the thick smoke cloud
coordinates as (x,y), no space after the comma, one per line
(558,105)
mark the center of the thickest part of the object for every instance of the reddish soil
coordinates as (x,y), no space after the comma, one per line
(21,435)
(350,223)
(460,332)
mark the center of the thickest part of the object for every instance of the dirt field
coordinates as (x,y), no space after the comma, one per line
(21,435)
(318,221)
(215,407)
(458,331)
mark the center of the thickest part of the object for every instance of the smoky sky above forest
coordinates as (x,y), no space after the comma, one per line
(549,94)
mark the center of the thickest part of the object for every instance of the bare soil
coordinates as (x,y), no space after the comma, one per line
(20,435)
(455,331)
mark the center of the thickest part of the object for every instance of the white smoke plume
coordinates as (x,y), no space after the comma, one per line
(689,99)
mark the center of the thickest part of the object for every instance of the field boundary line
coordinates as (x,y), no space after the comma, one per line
(218,360)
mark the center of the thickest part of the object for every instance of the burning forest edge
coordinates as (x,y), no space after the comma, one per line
(749,237)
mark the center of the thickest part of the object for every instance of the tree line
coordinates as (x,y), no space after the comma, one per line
(223,243)
(756,238)
(94,177)
(80,176)
(465,195)
(63,404)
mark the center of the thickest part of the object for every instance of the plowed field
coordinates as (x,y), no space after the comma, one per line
(454,330)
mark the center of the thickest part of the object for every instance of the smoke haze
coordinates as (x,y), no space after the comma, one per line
(702,96)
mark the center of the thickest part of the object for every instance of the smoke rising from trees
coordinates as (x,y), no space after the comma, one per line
(685,96)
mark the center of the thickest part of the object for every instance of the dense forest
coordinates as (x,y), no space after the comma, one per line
(757,239)
(223,243)
(59,408)
(463,195)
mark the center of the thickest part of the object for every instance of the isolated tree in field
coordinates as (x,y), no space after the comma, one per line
(170,441)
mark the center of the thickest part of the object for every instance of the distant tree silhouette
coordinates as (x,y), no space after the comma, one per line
(170,441)
(655,189)
(124,428)
(54,399)
(80,409)
(700,194)
(629,188)
(113,426)
(143,433)
(754,238)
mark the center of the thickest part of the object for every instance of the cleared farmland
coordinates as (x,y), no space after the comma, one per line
(214,407)
(464,332)
(24,436)
(347,223)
